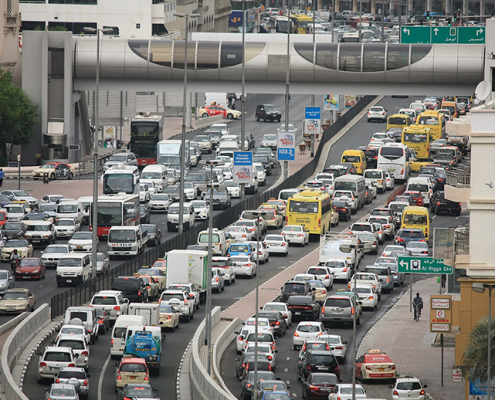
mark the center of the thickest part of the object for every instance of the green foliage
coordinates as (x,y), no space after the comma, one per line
(58,28)
(474,360)
(18,113)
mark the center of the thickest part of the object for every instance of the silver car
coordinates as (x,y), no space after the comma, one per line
(102,263)
(377,113)
(269,140)
(217,280)
(61,391)
(82,241)
(52,253)
(67,375)
(338,347)
(6,281)
(418,249)
(66,227)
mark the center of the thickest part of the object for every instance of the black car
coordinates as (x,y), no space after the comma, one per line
(295,288)
(242,363)
(154,234)
(103,320)
(317,384)
(396,134)
(304,307)
(371,156)
(137,390)
(248,382)
(343,208)
(173,193)
(263,159)
(268,112)
(14,230)
(277,321)
(317,361)
(197,178)
(438,173)
(336,170)
(144,214)
(221,198)
(439,204)
(133,288)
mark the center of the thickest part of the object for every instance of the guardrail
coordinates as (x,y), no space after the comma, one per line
(78,295)
(397,192)
(15,344)
(459,177)
(461,235)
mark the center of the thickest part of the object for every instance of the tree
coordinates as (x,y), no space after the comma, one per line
(18,114)
(474,360)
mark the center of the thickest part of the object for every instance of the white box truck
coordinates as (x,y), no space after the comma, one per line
(188,266)
(151,311)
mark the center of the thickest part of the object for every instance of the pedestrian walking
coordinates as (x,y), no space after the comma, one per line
(2,175)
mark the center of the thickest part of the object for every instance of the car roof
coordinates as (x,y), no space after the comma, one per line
(132,360)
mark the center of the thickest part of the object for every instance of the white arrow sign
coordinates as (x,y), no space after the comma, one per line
(405,30)
(479,31)
(404,264)
(436,31)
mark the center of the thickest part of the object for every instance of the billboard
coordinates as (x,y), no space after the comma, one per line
(243,167)
(331,102)
(443,243)
(286,146)
(350,100)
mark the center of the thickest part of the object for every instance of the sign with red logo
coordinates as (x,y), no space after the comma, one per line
(243,167)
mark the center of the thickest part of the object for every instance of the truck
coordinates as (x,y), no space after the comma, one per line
(330,248)
(126,241)
(145,343)
(149,310)
(462,143)
(188,266)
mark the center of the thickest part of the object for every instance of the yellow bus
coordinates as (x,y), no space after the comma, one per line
(398,121)
(414,217)
(301,22)
(435,120)
(311,209)
(418,137)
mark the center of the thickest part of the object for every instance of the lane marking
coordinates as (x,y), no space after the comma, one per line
(286,369)
(100,381)
(434,217)
(287,382)
(288,358)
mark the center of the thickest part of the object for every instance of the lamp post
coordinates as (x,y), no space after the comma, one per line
(184,112)
(287,78)
(313,100)
(480,288)
(94,249)
(204,188)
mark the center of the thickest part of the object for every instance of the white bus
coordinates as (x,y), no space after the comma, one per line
(169,151)
(395,158)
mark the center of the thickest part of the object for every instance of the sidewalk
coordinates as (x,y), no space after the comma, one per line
(411,346)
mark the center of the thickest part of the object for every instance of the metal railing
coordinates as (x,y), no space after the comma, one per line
(78,295)
(459,177)
(461,235)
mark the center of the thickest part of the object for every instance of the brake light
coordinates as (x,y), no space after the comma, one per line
(323,310)
(228,254)
(315,388)
(119,377)
(396,393)
(146,378)
(340,348)
(216,279)
(248,385)
(296,334)
(244,235)
(400,240)
(370,298)
(283,244)
(111,343)
(308,367)
(422,392)
(388,279)
(85,383)
(42,364)
(352,310)
(277,323)
(72,365)
(85,353)
(139,293)
(269,358)
(117,308)
(319,222)
(169,317)
(349,285)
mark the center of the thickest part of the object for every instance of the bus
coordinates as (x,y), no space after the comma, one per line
(398,121)
(168,152)
(279,24)
(310,208)
(395,158)
(418,138)
(121,179)
(116,210)
(301,22)
(414,217)
(146,132)
(435,121)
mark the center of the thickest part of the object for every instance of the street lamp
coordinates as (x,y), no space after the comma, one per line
(287,79)
(204,188)
(313,100)
(95,146)
(479,287)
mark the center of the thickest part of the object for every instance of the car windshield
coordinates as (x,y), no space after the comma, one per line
(20,193)
(48,207)
(15,209)
(15,243)
(10,226)
(74,344)
(373,174)
(67,208)
(160,197)
(417,245)
(38,228)
(121,236)
(269,137)
(415,219)
(71,374)
(65,222)
(30,262)
(198,204)
(15,296)
(82,236)
(56,249)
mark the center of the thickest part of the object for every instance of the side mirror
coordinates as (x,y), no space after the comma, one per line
(345,342)
(276,351)
(117,365)
(76,355)
(38,353)
(52,341)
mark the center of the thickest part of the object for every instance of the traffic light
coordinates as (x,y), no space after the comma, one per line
(427,15)
(449,21)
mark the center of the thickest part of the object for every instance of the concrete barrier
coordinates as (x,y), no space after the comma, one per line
(13,322)
(203,386)
(15,344)
(206,122)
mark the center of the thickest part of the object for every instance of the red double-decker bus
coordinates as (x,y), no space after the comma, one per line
(116,210)
(146,132)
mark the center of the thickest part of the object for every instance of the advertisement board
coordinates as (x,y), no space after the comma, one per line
(443,243)
(243,167)
(286,146)
(331,102)
(350,100)
(312,120)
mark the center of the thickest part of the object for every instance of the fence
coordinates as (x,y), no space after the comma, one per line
(83,293)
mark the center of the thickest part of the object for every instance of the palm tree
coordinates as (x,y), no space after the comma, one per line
(474,359)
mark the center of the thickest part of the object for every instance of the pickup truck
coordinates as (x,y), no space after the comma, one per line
(367,278)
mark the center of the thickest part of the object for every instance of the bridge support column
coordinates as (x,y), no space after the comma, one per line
(188,109)
(354,6)
(337,6)
(465,8)
(409,10)
(373,7)
(390,8)
(482,8)
(428,5)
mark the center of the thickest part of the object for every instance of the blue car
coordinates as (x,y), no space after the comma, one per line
(240,249)
(404,236)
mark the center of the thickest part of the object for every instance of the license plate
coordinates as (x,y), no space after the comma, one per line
(298,313)
(69,280)
(36,240)
(381,369)
(322,368)
(54,369)
(26,277)
(326,389)
(10,308)
(132,377)
(338,311)
(79,247)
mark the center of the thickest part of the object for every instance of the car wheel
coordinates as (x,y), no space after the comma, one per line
(52,177)
(230,116)
(205,115)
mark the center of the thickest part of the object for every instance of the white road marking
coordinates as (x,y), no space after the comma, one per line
(286,369)
(434,217)
(294,395)
(102,374)
(287,382)
(288,358)
(456,217)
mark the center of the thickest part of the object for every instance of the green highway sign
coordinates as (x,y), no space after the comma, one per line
(423,265)
(443,34)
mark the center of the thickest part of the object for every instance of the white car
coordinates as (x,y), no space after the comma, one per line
(144,193)
(295,234)
(52,359)
(152,189)
(190,289)
(343,391)
(190,191)
(307,330)
(52,198)
(338,347)
(201,209)
(225,264)
(79,345)
(339,268)
(323,274)
(292,128)
(305,277)
(66,227)
(193,159)
(391,248)
(226,172)
(178,299)
(244,266)
(82,241)
(263,323)
(367,296)
(264,253)
(224,128)
(418,249)
(52,253)
(389,181)
(349,197)
(239,233)
(378,137)
(243,334)
(277,244)
(261,173)
(408,388)
(233,188)
(377,113)
(280,307)
(270,354)
(160,202)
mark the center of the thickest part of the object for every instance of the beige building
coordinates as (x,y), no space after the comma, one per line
(10,57)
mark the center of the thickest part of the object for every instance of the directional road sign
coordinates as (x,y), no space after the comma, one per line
(443,34)
(423,265)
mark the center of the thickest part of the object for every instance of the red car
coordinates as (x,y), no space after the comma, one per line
(211,111)
(319,385)
(3,217)
(30,268)
(416,196)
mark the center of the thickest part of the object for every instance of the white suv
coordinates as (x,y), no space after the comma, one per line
(410,386)
(112,301)
(52,359)
(227,267)
(179,300)
(79,345)
(261,173)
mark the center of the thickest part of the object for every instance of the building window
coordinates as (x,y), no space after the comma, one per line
(32,1)
(158,1)
(57,63)
(33,26)
(159,30)
(74,27)
(88,2)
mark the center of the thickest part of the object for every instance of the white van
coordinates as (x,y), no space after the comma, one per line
(229,145)
(73,268)
(86,202)
(70,209)
(157,174)
(218,240)
(85,315)
(120,329)
(378,176)
(355,183)
(423,185)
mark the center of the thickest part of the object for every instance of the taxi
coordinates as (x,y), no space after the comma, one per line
(335,217)
(54,170)
(320,291)
(215,109)
(273,217)
(24,204)
(131,370)
(169,317)
(17,301)
(282,204)
(156,273)
(160,264)
(152,285)
(375,365)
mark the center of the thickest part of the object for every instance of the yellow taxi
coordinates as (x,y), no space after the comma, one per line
(335,218)
(24,249)
(320,291)
(54,170)
(17,301)
(131,370)
(375,364)
(281,204)
(24,204)
(357,158)
(159,275)
(169,317)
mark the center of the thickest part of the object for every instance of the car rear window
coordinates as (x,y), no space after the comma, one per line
(129,367)
(308,328)
(412,234)
(125,284)
(57,356)
(104,300)
(328,379)
(378,271)
(341,303)
(294,287)
(408,386)
(322,359)
(317,271)
(72,374)
(74,344)
(300,300)
(262,337)
(82,315)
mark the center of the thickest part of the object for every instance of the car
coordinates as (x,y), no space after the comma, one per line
(66,227)
(239,233)
(173,192)
(387,225)
(404,236)
(341,308)
(221,198)
(145,213)
(24,249)
(343,208)
(322,273)
(375,364)
(264,254)
(295,234)
(79,346)
(82,241)
(40,233)
(377,113)
(218,279)
(320,290)
(390,248)
(343,391)
(70,373)
(131,369)
(179,300)
(269,140)
(280,307)
(389,181)
(103,320)
(152,187)
(367,296)
(102,263)
(268,112)
(317,361)
(251,215)
(137,390)
(6,281)
(248,383)
(439,204)
(13,230)
(55,170)
(144,193)
(16,195)
(244,266)
(338,267)
(384,274)
(318,385)
(408,387)
(304,307)
(213,110)
(52,253)
(276,320)
(39,216)
(336,345)
(418,249)
(277,244)
(159,203)
(17,300)
(30,268)
(169,317)
(205,144)
(348,196)
(61,391)
(154,234)
(51,198)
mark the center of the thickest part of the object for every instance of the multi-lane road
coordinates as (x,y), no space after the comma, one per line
(101,368)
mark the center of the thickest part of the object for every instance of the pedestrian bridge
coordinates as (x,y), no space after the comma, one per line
(315,68)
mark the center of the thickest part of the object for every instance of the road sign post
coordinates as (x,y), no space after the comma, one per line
(312,123)
(423,265)
(243,167)
(286,146)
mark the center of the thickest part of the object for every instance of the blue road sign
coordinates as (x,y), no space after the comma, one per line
(286,146)
(312,113)
(243,158)
(285,154)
